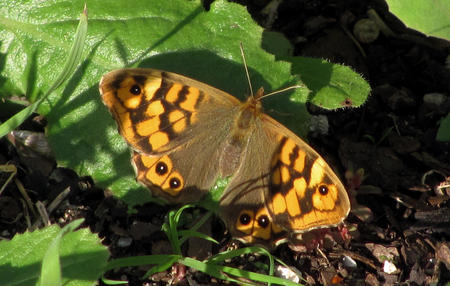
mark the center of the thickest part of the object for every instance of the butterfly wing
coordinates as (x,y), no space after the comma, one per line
(171,123)
(244,204)
(283,185)
(305,192)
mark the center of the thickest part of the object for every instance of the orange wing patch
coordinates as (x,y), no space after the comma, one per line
(158,172)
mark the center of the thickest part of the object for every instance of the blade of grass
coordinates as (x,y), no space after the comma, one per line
(217,271)
(238,252)
(51,268)
(161,262)
(171,228)
(246,250)
(113,282)
(186,234)
(257,276)
(72,62)
(141,260)
(195,227)
(164,265)
(210,269)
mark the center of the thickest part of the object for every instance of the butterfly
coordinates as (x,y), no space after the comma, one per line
(185,134)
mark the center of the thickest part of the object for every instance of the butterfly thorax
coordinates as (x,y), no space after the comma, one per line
(250,110)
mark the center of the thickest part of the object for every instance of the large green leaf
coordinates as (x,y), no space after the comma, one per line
(431,17)
(83,257)
(177,36)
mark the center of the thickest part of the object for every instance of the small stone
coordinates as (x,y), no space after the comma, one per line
(349,262)
(287,273)
(389,267)
(443,253)
(366,31)
(124,242)
(319,124)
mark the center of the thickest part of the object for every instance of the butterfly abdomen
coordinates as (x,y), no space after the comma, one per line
(242,129)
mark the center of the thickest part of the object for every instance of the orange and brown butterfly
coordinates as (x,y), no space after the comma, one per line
(185,134)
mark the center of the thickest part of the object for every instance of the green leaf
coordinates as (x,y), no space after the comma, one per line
(332,86)
(429,17)
(82,255)
(178,36)
(73,59)
(443,133)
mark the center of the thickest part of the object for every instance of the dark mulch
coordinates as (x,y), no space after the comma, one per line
(400,213)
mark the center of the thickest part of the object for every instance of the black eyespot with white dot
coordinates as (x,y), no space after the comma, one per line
(245,219)
(263,221)
(135,89)
(323,190)
(175,183)
(161,168)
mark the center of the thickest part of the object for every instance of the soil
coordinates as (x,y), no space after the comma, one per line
(398,174)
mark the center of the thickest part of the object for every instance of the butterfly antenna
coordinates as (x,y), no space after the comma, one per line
(281,90)
(246,70)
